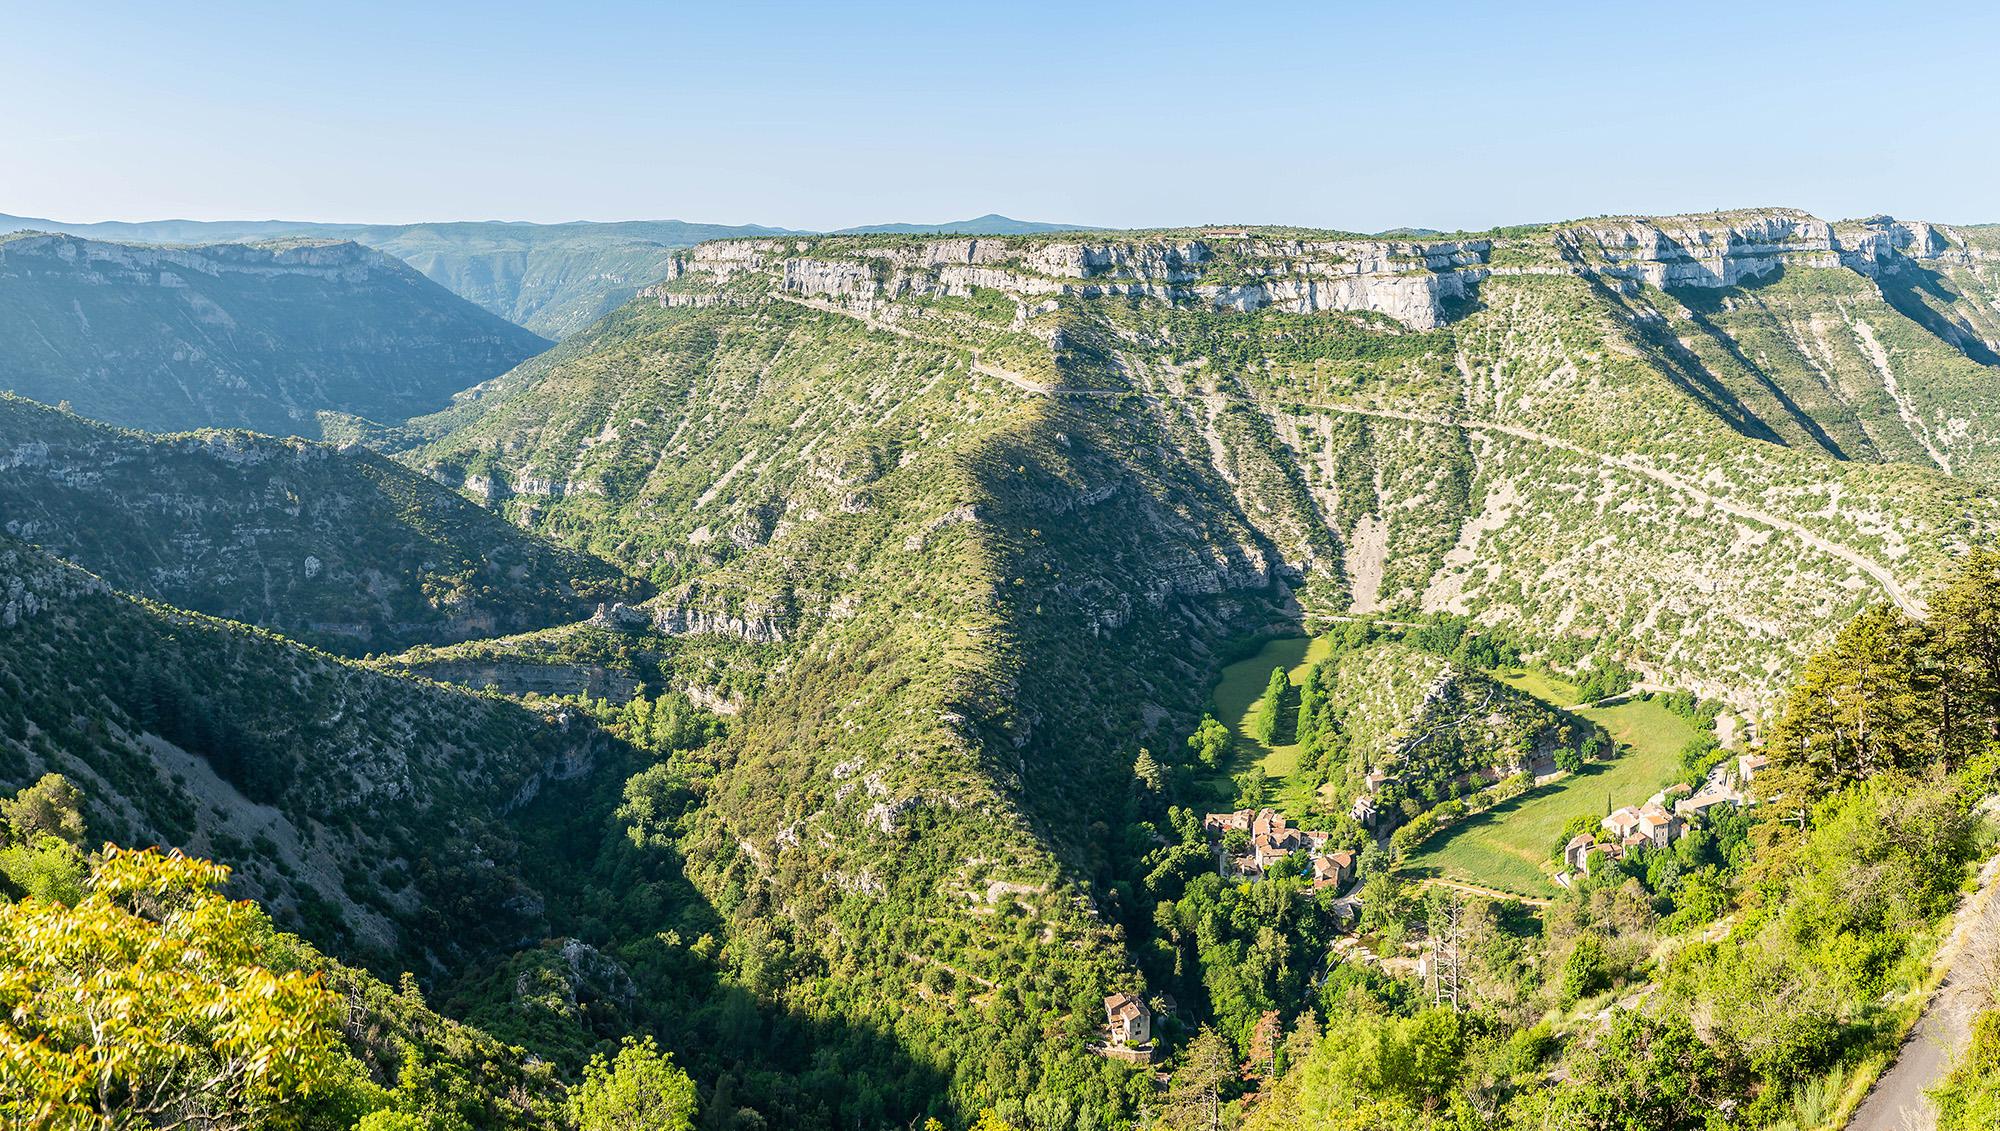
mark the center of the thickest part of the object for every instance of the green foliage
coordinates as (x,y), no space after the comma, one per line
(640,1090)
(1647,1074)
(1893,695)
(336,546)
(1969,1098)
(1270,710)
(1210,742)
(149,1000)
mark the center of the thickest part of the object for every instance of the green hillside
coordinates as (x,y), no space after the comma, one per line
(259,336)
(338,547)
(990,510)
(888,783)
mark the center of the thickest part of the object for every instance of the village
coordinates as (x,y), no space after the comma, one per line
(1249,845)
(1653,825)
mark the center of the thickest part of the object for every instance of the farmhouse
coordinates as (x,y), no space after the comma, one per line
(1748,766)
(1129,1021)
(1575,851)
(1128,1030)
(1334,870)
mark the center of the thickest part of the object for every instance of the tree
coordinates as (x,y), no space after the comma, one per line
(50,807)
(149,1003)
(1147,770)
(1569,759)
(1966,618)
(1863,705)
(654,799)
(1645,1075)
(1264,719)
(41,829)
(1312,696)
(1251,786)
(1194,1097)
(642,1090)
(1210,742)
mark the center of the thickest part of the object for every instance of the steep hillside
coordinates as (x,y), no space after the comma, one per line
(987,512)
(1507,426)
(253,336)
(338,547)
(365,808)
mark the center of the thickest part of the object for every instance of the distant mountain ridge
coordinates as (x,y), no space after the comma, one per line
(259,336)
(991,224)
(553,279)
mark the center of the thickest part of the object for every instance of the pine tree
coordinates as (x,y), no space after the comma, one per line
(1147,769)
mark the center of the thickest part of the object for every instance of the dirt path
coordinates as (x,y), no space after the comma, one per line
(1633,464)
(1489,893)
(1971,954)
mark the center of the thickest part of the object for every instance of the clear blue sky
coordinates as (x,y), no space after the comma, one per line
(1351,115)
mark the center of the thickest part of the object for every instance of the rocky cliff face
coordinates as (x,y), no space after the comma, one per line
(1416,283)
(233,335)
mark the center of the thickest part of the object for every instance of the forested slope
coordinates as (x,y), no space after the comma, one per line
(338,547)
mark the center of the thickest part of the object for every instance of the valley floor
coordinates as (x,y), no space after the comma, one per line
(1506,846)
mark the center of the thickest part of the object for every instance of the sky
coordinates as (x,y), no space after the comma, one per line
(1351,115)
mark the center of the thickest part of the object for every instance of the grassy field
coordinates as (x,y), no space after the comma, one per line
(1236,697)
(1506,846)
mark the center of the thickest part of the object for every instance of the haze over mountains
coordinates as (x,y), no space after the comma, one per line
(261,336)
(550,278)
(905,550)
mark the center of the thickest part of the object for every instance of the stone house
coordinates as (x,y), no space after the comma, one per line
(1621,823)
(1658,826)
(1221,824)
(1698,806)
(1128,1020)
(1748,766)
(1334,870)
(1574,852)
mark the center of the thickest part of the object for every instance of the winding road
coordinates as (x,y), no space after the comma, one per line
(1880,573)
(1971,957)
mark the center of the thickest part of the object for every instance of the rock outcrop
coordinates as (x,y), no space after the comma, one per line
(1414,282)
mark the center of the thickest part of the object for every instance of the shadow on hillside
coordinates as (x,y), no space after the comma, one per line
(639,906)
(1905,288)
(1684,368)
